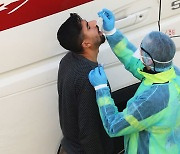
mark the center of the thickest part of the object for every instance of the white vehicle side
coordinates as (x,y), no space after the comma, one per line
(30,55)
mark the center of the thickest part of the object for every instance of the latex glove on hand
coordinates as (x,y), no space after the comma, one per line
(108,20)
(97,78)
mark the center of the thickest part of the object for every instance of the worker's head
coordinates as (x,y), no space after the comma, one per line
(76,34)
(157,51)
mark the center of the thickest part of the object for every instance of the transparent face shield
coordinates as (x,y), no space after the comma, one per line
(138,55)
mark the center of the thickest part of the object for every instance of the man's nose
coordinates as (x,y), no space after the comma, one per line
(93,23)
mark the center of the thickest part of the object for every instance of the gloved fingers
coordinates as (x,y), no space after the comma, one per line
(96,71)
(90,73)
(97,76)
(100,13)
(108,13)
(91,76)
(104,15)
(101,70)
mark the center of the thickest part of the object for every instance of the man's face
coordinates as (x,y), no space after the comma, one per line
(92,34)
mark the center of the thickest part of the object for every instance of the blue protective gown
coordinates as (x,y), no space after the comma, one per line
(151,121)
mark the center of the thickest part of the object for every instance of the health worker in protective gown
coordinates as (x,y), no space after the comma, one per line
(150,123)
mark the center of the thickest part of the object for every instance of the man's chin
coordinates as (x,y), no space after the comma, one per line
(103,39)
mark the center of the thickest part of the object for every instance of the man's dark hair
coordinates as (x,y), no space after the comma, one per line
(69,34)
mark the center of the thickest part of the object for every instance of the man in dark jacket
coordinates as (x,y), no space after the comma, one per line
(82,129)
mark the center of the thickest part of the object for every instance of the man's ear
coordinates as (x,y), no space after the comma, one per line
(86,44)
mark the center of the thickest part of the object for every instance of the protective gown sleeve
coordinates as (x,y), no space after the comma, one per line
(139,114)
(124,50)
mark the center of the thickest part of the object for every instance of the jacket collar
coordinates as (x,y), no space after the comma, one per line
(162,77)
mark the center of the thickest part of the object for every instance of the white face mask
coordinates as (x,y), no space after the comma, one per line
(138,55)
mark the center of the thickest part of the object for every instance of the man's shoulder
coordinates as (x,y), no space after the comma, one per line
(77,62)
(66,56)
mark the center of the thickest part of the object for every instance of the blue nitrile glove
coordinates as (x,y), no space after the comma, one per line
(97,78)
(108,19)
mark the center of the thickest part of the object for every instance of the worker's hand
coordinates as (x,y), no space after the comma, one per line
(108,19)
(97,78)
